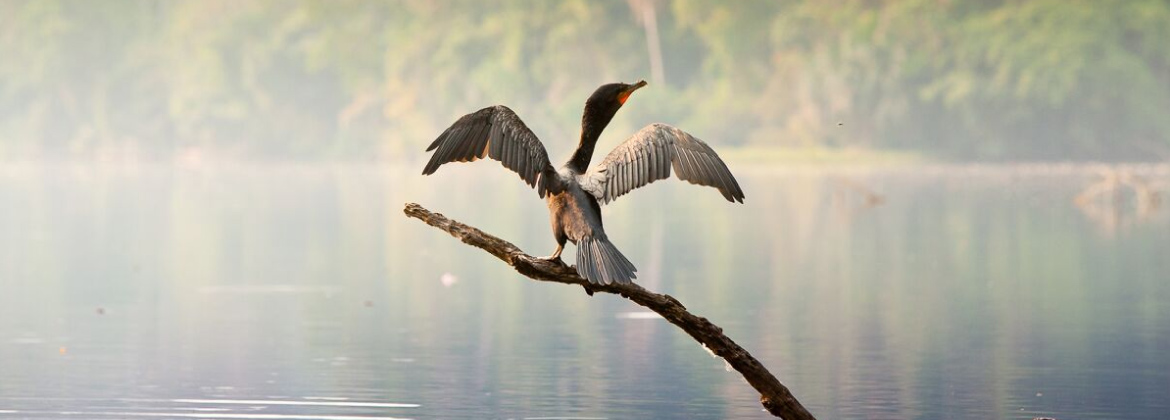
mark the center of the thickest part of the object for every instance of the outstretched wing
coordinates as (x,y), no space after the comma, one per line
(495,132)
(649,155)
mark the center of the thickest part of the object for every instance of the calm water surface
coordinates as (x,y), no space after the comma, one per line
(288,292)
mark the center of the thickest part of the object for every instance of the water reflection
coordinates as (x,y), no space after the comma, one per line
(1120,200)
(959,296)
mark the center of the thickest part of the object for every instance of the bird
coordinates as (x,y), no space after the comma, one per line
(575,192)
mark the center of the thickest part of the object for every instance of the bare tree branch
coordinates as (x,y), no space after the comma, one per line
(774,396)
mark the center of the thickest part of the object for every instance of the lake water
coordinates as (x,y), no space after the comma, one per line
(298,292)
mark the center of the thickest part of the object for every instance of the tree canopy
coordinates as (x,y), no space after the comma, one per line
(364,80)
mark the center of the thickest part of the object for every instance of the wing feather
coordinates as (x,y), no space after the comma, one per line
(509,158)
(495,132)
(518,160)
(445,149)
(713,176)
(663,162)
(487,146)
(688,165)
(652,161)
(474,143)
(480,149)
(458,143)
(725,175)
(496,151)
(640,167)
(650,154)
(627,175)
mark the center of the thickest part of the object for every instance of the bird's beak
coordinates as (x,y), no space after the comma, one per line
(626,95)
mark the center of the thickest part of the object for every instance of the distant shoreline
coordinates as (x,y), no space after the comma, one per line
(746,166)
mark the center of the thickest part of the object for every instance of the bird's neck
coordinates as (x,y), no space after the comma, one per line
(579,163)
(592,125)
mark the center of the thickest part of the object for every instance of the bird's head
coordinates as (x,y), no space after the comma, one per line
(613,95)
(607,99)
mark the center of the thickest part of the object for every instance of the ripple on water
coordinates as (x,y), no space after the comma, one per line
(318,408)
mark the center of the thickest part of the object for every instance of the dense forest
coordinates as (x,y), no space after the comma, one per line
(377,80)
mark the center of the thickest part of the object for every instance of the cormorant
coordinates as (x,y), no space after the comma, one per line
(575,193)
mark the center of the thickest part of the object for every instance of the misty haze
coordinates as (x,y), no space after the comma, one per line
(954,209)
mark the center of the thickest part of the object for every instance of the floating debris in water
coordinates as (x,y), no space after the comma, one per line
(368,303)
(101,311)
(318,403)
(199,415)
(448,279)
(266,289)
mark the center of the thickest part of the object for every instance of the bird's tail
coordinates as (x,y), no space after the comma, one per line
(601,263)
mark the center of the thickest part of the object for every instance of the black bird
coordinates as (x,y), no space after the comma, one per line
(574,194)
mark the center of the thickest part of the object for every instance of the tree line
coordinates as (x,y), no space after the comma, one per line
(377,80)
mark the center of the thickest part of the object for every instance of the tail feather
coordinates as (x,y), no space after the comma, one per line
(601,263)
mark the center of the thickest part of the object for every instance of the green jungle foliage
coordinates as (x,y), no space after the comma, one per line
(378,80)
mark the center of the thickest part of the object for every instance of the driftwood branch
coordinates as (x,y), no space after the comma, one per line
(774,396)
